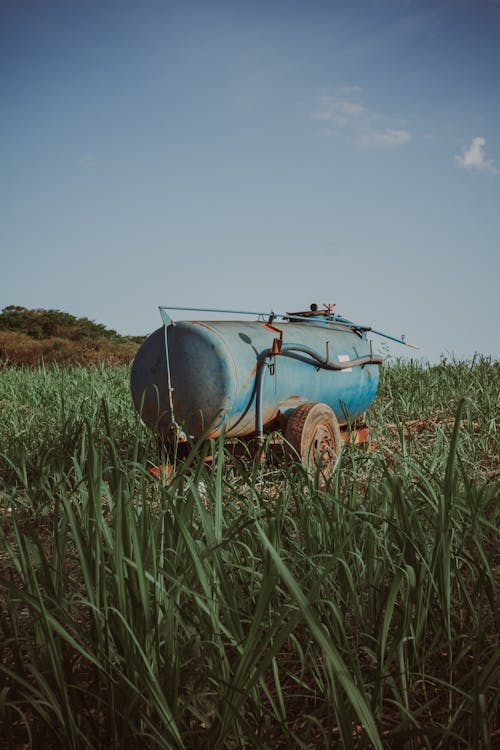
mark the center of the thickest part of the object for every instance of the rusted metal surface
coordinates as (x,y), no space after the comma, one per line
(163,472)
(356,436)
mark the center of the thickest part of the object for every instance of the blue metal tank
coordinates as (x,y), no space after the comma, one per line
(238,377)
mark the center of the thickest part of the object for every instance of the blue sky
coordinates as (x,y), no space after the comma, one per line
(255,155)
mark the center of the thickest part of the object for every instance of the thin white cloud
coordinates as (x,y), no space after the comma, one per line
(337,111)
(387,137)
(473,157)
(344,115)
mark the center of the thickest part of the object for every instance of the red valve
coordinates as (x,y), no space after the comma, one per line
(277,343)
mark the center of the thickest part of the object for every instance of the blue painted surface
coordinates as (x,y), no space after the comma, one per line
(214,364)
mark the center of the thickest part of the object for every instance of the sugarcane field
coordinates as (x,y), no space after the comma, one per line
(249,375)
(243,598)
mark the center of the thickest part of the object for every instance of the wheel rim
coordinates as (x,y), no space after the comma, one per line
(323,449)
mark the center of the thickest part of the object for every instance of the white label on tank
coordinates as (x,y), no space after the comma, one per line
(345,358)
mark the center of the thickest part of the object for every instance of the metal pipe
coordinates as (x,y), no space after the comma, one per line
(170,389)
(259,387)
(216,310)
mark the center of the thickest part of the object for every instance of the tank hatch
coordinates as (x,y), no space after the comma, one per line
(314,312)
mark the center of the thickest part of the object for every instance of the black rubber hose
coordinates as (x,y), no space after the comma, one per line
(318,361)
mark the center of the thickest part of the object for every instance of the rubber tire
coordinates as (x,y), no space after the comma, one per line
(308,425)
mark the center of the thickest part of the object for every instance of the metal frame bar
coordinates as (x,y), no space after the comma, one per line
(331,318)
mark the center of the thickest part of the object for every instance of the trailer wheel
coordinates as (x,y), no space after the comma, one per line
(313,435)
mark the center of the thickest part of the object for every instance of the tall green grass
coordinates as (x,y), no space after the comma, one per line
(245,605)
